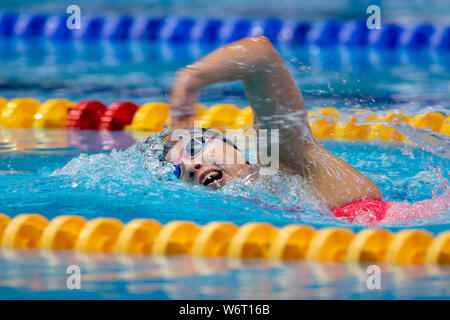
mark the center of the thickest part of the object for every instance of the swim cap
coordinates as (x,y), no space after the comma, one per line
(166,139)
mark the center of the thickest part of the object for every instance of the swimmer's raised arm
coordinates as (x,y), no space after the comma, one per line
(269,87)
(278,102)
(268,84)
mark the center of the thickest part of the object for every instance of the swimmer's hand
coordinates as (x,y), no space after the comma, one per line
(249,59)
(183,96)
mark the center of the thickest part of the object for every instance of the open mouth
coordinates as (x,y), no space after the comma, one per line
(211,177)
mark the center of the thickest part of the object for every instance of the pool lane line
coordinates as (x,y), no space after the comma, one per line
(253,240)
(174,29)
(326,123)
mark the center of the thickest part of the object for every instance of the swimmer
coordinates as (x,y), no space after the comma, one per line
(278,104)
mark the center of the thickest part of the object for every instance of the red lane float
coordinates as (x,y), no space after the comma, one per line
(86,115)
(118,115)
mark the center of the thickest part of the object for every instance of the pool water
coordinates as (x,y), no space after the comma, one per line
(43,172)
(43,275)
(100,174)
(399,10)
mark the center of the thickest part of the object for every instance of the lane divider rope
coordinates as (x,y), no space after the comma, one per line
(224,239)
(211,30)
(359,124)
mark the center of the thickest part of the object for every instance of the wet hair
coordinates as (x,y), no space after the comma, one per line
(169,142)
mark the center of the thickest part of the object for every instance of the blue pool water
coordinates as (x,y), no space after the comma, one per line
(92,174)
(399,10)
(46,174)
(42,275)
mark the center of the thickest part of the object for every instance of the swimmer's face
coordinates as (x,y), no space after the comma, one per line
(206,160)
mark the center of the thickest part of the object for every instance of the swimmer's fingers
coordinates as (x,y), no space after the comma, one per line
(181,118)
(183,114)
(182,99)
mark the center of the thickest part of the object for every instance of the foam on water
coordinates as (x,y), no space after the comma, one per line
(137,174)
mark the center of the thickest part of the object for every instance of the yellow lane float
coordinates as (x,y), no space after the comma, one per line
(150,117)
(62,233)
(330,244)
(138,236)
(326,122)
(19,113)
(4,221)
(176,237)
(439,250)
(99,235)
(445,128)
(52,114)
(3,103)
(432,120)
(24,231)
(252,240)
(224,239)
(369,245)
(292,242)
(213,239)
(409,247)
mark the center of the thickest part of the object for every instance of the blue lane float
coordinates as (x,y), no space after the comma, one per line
(294,32)
(185,29)
(30,25)
(354,33)
(324,33)
(417,36)
(117,28)
(91,28)
(56,28)
(386,37)
(144,28)
(441,39)
(269,27)
(7,22)
(205,30)
(233,30)
(176,29)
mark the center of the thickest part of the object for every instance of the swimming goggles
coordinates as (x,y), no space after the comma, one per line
(193,147)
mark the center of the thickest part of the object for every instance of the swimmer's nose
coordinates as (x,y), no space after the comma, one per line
(190,170)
